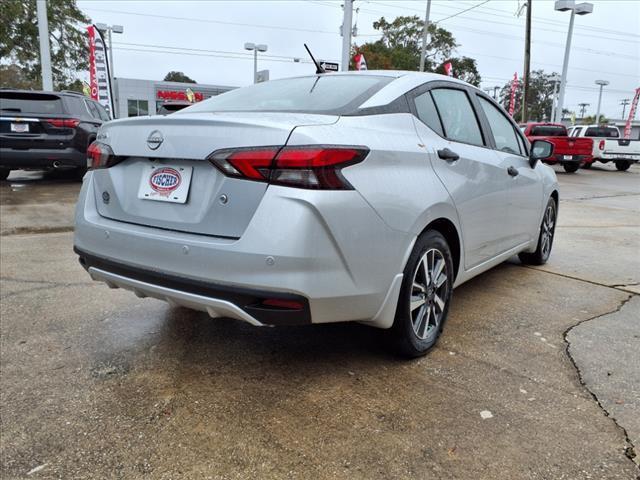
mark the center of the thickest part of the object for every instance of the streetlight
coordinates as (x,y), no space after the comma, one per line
(579,9)
(103,27)
(256,49)
(555,79)
(602,83)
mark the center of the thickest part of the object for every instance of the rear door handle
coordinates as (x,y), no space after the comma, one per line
(513,171)
(448,155)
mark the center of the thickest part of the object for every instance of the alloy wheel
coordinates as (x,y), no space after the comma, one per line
(548,226)
(429,293)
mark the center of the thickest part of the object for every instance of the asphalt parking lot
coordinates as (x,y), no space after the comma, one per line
(537,375)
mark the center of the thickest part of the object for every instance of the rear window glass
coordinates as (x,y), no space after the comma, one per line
(13,102)
(330,94)
(548,131)
(601,132)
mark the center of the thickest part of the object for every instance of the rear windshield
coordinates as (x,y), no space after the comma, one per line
(548,131)
(602,132)
(330,94)
(34,103)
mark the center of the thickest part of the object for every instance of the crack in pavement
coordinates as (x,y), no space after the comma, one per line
(45,285)
(616,286)
(601,196)
(629,451)
(32,230)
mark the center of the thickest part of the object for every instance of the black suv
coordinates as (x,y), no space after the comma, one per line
(45,130)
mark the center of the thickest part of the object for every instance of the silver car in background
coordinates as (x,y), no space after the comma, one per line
(360,196)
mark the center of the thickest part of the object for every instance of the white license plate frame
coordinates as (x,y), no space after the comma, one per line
(158,183)
(19,127)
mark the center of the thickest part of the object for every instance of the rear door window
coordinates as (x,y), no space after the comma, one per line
(504,132)
(30,103)
(608,132)
(458,118)
(576,131)
(428,113)
(92,109)
(103,115)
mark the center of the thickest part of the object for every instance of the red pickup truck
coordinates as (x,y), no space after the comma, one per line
(570,152)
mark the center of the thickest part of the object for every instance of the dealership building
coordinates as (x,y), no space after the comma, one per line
(134,97)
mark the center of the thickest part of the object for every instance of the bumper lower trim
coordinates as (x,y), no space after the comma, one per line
(215,299)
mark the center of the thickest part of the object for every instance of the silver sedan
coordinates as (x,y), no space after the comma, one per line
(327,198)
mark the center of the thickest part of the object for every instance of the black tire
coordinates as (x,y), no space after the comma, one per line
(571,167)
(587,165)
(415,332)
(4,173)
(623,165)
(545,238)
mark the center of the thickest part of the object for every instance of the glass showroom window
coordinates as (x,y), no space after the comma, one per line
(137,108)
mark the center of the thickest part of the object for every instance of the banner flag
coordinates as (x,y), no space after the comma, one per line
(360,62)
(448,69)
(632,114)
(512,101)
(100,80)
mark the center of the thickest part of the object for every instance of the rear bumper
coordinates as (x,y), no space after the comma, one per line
(560,159)
(217,300)
(42,158)
(329,250)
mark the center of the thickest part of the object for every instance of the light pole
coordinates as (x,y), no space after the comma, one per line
(425,34)
(602,84)
(45,54)
(493,92)
(108,29)
(255,48)
(555,79)
(347,26)
(579,9)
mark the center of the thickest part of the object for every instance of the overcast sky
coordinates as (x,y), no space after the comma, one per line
(205,39)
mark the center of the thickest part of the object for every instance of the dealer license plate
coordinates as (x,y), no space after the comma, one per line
(165,183)
(20,127)
(568,157)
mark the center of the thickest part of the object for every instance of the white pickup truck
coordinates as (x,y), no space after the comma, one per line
(608,146)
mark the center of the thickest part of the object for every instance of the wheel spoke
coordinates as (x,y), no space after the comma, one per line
(426,322)
(425,269)
(419,286)
(417,324)
(438,269)
(439,302)
(440,280)
(417,302)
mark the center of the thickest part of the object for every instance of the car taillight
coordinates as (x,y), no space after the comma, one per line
(315,167)
(100,155)
(63,122)
(601,145)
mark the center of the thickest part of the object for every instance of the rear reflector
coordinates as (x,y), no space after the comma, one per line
(601,145)
(314,167)
(284,304)
(63,122)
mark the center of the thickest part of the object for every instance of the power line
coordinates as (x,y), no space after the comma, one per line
(461,12)
(205,20)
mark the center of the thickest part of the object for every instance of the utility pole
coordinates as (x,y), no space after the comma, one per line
(602,84)
(583,108)
(425,33)
(45,55)
(527,63)
(347,22)
(624,102)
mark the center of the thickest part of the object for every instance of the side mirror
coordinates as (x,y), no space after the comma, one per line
(540,150)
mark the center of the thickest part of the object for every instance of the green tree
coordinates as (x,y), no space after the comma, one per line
(67,38)
(12,76)
(540,96)
(174,76)
(400,45)
(591,119)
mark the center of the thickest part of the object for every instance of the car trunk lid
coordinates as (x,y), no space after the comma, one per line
(174,149)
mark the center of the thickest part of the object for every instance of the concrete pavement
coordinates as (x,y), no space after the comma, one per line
(97,383)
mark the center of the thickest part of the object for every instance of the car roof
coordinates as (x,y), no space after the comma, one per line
(43,92)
